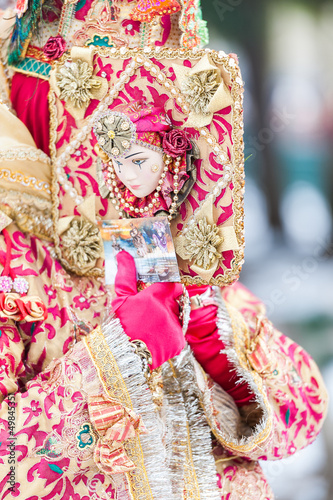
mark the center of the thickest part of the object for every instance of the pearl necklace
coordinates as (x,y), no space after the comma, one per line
(117,199)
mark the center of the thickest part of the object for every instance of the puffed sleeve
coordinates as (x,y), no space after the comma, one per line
(290,395)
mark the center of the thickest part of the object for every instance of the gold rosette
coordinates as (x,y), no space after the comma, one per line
(204,242)
(204,90)
(115,133)
(76,84)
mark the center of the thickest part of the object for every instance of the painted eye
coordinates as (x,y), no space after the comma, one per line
(138,162)
(119,165)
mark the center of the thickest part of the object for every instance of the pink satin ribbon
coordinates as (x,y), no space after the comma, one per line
(114,424)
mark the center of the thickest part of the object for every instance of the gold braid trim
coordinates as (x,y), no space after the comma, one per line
(120,372)
(114,385)
(30,213)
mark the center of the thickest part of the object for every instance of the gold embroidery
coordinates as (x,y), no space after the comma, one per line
(37,53)
(19,177)
(191,487)
(30,219)
(115,386)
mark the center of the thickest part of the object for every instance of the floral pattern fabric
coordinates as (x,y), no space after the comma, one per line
(52,409)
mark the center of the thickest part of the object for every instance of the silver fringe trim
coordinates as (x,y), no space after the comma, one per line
(175,419)
(200,434)
(130,367)
(226,335)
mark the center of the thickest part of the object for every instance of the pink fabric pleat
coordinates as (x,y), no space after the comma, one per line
(29,100)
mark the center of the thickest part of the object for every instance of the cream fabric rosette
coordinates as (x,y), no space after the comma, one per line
(204,90)
(80,238)
(203,243)
(76,84)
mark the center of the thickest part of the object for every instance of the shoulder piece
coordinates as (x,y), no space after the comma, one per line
(25,177)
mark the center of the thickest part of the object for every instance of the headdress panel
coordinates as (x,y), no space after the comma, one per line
(123,72)
(208,230)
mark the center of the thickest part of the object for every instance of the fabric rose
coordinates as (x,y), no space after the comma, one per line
(18,308)
(35,309)
(9,307)
(54,47)
(175,143)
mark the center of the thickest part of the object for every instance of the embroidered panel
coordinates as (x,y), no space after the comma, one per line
(165,78)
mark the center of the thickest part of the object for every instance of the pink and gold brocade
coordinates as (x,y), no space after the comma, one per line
(55,405)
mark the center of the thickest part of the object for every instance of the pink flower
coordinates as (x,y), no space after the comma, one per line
(50,292)
(81,475)
(175,143)
(81,302)
(80,153)
(131,26)
(3,368)
(34,411)
(35,309)
(54,47)
(6,284)
(311,433)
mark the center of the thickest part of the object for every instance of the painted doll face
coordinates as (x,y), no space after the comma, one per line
(140,170)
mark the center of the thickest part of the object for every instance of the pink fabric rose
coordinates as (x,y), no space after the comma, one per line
(29,309)
(54,47)
(9,307)
(35,309)
(175,143)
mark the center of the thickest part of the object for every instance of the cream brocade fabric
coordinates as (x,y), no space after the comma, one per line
(25,177)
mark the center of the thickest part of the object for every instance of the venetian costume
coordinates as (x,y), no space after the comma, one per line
(110,401)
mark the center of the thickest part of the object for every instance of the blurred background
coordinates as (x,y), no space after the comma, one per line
(285,49)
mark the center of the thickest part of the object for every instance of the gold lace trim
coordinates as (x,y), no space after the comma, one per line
(26,153)
(31,214)
(115,386)
(191,487)
(19,177)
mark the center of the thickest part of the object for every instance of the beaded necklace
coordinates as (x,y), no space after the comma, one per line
(119,202)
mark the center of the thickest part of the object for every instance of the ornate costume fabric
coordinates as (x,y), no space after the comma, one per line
(92,419)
